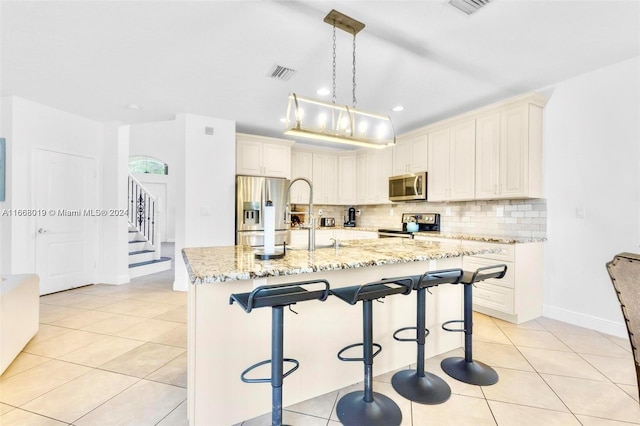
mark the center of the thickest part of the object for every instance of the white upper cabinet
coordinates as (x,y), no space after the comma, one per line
(509,152)
(325,178)
(373,171)
(410,155)
(347,179)
(301,166)
(262,156)
(452,163)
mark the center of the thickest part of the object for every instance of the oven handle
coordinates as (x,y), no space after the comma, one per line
(394,235)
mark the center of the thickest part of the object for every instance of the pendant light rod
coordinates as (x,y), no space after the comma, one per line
(344,22)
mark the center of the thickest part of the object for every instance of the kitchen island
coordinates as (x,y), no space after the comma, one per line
(223,340)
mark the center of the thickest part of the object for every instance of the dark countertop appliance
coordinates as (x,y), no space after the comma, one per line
(350,220)
(413,222)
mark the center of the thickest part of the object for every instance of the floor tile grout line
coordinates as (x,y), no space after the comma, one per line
(169,413)
(107,400)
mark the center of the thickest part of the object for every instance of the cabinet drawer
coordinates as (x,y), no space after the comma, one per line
(494,297)
(506,255)
(471,263)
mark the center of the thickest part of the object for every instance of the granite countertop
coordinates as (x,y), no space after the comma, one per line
(482,238)
(340,227)
(218,264)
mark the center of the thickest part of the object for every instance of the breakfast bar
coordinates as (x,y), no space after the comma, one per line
(223,340)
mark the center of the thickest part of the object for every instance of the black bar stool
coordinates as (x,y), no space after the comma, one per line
(367,407)
(466,369)
(277,297)
(416,385)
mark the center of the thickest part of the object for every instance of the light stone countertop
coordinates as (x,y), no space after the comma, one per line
(482,238)
(219,264)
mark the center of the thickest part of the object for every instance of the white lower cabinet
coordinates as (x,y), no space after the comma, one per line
(299,237)
(517,297)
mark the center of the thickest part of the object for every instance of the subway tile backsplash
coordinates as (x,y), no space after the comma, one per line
(520,218)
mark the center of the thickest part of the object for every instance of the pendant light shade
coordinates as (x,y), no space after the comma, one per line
(329,121)
(316,119)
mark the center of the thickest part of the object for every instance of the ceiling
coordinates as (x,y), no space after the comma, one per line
(94,58)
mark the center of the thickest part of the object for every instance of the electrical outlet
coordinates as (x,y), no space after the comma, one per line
(320,212)
(391,211)
(447,211)
(500,211)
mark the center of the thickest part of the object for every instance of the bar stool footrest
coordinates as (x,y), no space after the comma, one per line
(404,339)
(457,330)
(353,410)
(342,358)
(267,380)
(472,372)
(428,389)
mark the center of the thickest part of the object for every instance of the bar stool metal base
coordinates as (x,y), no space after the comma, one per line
(429,389)
(353,410)
(472,372)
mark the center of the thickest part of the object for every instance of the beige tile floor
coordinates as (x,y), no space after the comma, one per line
(116,355)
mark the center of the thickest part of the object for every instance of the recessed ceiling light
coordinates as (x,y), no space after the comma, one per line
(323,92)
(133,106)
(398,108)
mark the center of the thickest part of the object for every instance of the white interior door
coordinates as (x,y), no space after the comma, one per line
(67,236)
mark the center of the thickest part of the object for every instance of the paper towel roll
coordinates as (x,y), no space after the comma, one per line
(269,229)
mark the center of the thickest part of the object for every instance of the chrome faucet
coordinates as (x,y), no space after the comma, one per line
(311,226)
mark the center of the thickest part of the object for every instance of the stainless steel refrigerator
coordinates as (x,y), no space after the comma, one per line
(252,193)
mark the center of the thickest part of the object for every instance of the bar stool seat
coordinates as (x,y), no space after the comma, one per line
(418,385)
(277,297)
(466,369)
(367,407)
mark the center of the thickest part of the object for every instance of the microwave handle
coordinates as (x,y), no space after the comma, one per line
(415,185)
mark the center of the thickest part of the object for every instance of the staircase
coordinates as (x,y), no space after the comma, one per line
(144,242)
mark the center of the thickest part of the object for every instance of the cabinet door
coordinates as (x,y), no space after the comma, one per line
(401,154)
(514,156)
(249,158)
(362,177)
(325,179)
(438,176)
(331,180)
(301,166)
(462,158)
(487,155)
(380,172)
(276,160)
(418,160)
(347,179)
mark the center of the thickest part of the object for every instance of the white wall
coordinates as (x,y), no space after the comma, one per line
(205,208)
(114,243)
(591,160)
(159,140)
(31,125)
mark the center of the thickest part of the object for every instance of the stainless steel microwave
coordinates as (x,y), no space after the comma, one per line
(409,187)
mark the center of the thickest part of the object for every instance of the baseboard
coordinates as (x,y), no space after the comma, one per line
(587,321)
(115,280)
(180,285)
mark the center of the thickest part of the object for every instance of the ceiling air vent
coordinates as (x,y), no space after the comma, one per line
(468,6)
(281,73)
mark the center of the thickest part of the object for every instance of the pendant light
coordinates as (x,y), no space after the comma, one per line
(327,121)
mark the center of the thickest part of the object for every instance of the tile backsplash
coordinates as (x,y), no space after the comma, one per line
(520,218)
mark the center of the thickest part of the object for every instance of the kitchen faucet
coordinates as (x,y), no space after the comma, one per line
(311,226)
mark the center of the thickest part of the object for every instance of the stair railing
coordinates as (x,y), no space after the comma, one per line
(143,213)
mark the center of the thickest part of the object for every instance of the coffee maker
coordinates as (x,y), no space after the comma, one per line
(350,219)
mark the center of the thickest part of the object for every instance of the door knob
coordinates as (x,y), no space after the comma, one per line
(42,231)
